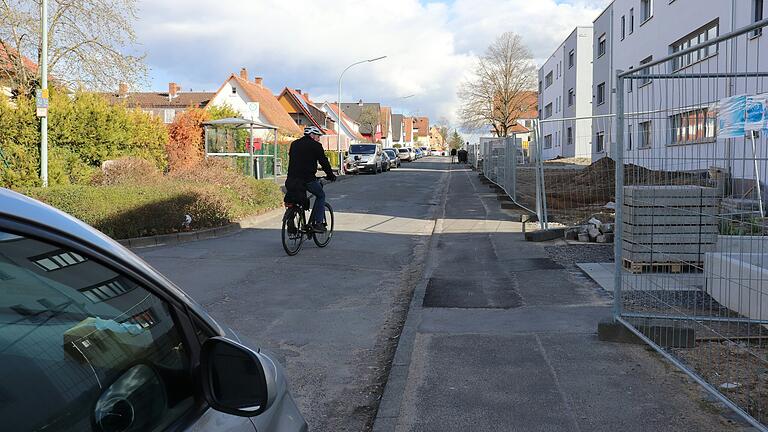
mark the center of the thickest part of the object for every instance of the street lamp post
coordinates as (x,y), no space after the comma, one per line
(338,102)
(44,85)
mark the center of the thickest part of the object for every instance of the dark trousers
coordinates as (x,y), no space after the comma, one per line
(318,210)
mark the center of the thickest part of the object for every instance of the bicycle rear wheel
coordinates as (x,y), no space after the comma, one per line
(292,234)
(322,240)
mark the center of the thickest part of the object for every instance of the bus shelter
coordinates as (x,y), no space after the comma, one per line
(238,140)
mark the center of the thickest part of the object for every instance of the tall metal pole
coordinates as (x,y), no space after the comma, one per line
(338,102)
(44,82)
(618,155)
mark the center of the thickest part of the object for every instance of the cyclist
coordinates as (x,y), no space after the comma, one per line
(304,155)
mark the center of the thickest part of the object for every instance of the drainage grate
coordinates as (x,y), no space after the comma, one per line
(471,294)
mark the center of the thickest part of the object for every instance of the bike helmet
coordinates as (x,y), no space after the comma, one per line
(312,130)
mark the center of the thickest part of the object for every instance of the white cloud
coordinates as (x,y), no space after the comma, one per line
(306,44)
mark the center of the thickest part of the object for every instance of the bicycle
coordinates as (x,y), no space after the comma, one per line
(295,228)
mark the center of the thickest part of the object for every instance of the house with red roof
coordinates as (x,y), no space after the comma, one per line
(13,64)
(304,111)
(165,105)
(347,127)
(255,101)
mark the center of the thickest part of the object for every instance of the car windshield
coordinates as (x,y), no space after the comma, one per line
(362,149)
(390,152)
(402,150)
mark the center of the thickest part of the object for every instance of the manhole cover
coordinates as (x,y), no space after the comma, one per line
(471,294)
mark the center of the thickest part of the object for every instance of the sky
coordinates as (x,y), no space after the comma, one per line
(306,44)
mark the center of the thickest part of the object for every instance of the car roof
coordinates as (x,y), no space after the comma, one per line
(16,206)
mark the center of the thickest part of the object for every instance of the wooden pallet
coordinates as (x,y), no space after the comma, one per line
(662,267)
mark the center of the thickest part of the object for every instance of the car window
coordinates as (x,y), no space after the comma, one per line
(84,348)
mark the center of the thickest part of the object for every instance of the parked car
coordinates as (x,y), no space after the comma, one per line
(115,346)
(367,157)
(426,151)
(386,162)
(419,153)
(394,157)
(406,154)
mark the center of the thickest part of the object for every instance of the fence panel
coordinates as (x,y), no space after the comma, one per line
(578,176)
(692,265)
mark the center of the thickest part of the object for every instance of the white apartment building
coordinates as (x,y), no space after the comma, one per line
(630,33)
(565,82)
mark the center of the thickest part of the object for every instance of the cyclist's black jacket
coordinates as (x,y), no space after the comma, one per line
(304,155)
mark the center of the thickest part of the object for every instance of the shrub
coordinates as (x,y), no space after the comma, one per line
(211,194)
(127,170)
(185,147)
(85,130)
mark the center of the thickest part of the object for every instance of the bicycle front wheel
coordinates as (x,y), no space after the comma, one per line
(322,240)
(293,237)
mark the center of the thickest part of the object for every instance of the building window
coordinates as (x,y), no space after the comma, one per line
(623,27)
(234,90)
(548,80)
(571,58)
(646,10)
(571,97)
(539,86)
(600,142)
(548,111)
(629,137)
(601,44)
(645,71)
(169,115)
(692,127)
(696,38)
(757,15)
(601,94)
(569,136)
(57,260)
(548,142)
(644,129)
(560,68)
(631,20)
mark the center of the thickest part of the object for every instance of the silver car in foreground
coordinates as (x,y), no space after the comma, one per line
(94,339)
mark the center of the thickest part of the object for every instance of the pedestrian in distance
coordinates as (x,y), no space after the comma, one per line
(453,156)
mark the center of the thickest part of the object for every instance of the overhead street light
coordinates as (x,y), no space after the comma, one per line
(338,102)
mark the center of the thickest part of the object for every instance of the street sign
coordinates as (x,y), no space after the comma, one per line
(45,93)
(41,102)
(42,112)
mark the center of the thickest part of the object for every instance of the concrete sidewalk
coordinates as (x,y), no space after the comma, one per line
(501,338)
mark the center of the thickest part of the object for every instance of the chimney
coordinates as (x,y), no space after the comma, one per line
(173,90)
(258,81)
(244,73)
(306,96)
(122,90)
(298,91)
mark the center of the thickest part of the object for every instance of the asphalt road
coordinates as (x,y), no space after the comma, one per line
(331,315)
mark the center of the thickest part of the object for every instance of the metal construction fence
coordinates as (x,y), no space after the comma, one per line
(691,252)
(679,173)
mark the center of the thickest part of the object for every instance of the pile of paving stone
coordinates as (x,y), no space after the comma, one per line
(598,229)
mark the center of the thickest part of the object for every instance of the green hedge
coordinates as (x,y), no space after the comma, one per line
(137,210)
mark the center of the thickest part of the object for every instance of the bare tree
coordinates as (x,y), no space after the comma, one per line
(91,43)
(500,90)
(369,120)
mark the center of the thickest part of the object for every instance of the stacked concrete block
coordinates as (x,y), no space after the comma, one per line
(669,224)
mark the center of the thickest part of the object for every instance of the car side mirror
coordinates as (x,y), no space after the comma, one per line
(234,378)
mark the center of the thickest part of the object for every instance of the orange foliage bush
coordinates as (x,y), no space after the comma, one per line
(185,146)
